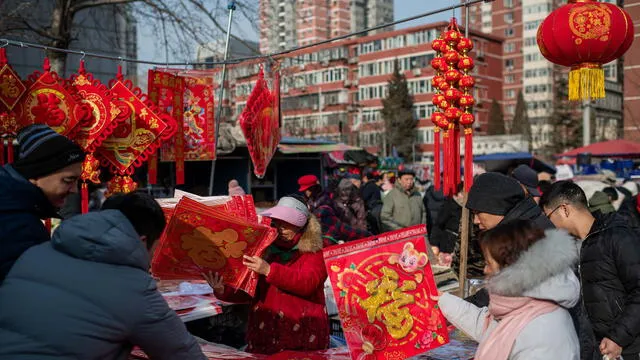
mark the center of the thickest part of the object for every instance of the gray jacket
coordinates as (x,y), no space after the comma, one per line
(543,272)
(88,294)
(400,210)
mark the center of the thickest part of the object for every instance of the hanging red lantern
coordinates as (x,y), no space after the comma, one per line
(452,57)
(464,45)
(585,34)
(466,63)
(452,95)
(443,86)
(439,45)
(466,100)
(452,76)
(437,99)
(466,82)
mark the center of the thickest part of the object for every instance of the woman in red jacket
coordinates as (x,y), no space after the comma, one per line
(288,311)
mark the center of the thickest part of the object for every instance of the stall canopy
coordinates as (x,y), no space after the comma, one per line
(502,162)
(611,148)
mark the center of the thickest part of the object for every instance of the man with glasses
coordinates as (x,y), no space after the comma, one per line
(609,271)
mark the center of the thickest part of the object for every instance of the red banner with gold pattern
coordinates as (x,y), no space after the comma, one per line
(198,119)
(201,239)
(141,130)
(386,295)
(11,86)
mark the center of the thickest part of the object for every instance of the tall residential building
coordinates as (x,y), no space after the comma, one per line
(632,77)
(528,71)
(285,24)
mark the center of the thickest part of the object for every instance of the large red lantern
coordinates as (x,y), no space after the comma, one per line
(585,34)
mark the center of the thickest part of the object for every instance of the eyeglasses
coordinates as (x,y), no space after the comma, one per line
(554,210)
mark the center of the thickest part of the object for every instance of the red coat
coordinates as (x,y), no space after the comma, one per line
(289,311)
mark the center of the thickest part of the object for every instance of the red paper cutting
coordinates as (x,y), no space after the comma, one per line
(386,295)
(260,123)
(11,86)
(201,239)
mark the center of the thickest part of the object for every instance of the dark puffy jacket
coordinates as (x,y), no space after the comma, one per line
(433,201)
(528,209)
(610,276)
(371,194)
(88,294)
(22,208)
(446,229)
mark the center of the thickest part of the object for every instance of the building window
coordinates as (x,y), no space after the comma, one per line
(509,32)
(509,94)
(509,47)
(486,24)
(508,18)
(532,25)
(508,64)
(530,41)
(510,79)
(510,109)
(508,3)
(611,71)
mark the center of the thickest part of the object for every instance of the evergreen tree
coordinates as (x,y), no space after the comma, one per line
(496,120)
(521,123)
(397,112)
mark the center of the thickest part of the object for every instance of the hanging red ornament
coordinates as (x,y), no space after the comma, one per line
(437,99)
(466,63)
(452,76)
(466,82)
(466,100)
(452,57)
(437,80)
(452,95)
(443,86)
(11,86)
(464,45)
(453,36)
(439,45)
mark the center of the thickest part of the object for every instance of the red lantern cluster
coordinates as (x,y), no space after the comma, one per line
(585,34)
(452,83)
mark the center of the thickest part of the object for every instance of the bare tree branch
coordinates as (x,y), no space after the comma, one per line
(95,3)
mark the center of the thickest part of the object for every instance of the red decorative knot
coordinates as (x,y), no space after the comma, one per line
(452,57)
(465,45)
(466,82)
(452,114)
(438,45)
(452,95)
(452,75)
(467,119)
(466,100)
(437,99)
(466,63)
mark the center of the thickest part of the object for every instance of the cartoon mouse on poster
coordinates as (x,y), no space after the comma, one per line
(410,260)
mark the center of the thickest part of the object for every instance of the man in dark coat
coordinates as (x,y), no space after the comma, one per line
(372,196)
(609,270)
(433,201)
(88,294)
(34,188)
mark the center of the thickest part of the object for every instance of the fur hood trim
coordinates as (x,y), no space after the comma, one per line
(311,240)
(539,266)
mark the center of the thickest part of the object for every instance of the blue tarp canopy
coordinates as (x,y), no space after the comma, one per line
(503,162)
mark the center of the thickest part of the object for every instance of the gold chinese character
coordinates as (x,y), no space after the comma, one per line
(386,303)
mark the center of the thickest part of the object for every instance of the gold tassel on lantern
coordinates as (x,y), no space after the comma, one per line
(586,81)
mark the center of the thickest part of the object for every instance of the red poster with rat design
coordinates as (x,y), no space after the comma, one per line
(201,239)
(386,295)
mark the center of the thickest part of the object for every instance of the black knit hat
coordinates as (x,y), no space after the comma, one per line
(43,152)
(494,193)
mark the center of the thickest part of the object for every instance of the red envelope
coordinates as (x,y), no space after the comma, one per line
(386,295)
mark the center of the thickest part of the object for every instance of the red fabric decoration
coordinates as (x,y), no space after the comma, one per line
(386,295)
(260,122)
(585,35)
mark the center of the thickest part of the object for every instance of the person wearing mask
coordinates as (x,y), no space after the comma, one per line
(531,286)
(528,179)
(288,311)
(609,270)
(350,206)
(34,188)
(403,206)
(88,293)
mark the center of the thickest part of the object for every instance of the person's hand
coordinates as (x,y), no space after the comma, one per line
(610,349)
(215,281)
(257,264)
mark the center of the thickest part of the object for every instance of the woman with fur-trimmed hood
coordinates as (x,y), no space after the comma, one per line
(288,311)
(531,285)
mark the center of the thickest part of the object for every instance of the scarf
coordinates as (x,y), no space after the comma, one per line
(512,314)
(284,250)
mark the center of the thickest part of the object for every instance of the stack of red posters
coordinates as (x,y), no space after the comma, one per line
(201,239)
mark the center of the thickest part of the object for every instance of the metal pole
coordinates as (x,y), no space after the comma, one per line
(464,228)
(232,8)
(586,122)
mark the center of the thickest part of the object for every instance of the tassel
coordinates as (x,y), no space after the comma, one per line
(436,158)
(468,158)
(2,152)
(446,165)
(10,151)
(47,225)
(153,168)
(456,147)
(84,198)
(451,161)
(586,81)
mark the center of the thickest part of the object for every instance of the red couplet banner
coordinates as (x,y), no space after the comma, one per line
(386,295)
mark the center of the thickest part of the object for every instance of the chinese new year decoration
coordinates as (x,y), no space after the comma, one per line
(11,91)
(95,128)
(584,35)
(453,84)
(260,122)
(386,295)
(201,239)
(141,130)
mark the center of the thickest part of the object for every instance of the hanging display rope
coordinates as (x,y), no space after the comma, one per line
(17,43)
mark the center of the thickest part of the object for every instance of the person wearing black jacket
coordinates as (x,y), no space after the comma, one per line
(609,269)
(433,201)
(372,196)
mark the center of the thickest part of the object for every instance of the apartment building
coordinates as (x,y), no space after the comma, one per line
(631,73)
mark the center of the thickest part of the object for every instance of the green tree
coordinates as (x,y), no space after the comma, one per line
(521,123)
(565,122)
(496,120)
(397,112)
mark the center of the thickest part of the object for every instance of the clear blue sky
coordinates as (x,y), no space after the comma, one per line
(150,47)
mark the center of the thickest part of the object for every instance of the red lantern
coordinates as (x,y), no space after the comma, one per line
(466,100)
(467,119)
(453,36)
(465,63)
(439,63)
(465,45)
(585,34)
(452,95)
(452,75)
(437,99)
(438,45)
(443,86)
(452,114)
(452,57)
(437,80)
(466,82)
